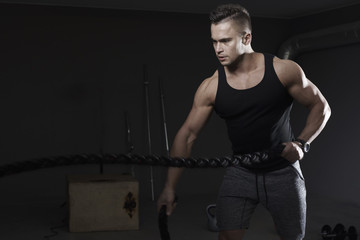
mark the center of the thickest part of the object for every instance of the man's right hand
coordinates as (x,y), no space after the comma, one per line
(167,197)
(292,152)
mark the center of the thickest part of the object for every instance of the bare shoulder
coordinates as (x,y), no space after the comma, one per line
(288,71)
(208,88)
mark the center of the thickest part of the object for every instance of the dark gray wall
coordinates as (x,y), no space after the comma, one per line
(331,166)
(68,74)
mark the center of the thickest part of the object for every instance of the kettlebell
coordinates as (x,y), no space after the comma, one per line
(211,221)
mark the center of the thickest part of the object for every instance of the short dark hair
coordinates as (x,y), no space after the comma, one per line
(231,11)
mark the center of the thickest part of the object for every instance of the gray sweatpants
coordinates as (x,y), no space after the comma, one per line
(282,192)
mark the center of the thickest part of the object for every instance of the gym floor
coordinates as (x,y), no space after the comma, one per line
(29,210)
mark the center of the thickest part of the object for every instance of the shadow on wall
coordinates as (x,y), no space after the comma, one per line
(331,166)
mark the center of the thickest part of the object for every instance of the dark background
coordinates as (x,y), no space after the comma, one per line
(69,74)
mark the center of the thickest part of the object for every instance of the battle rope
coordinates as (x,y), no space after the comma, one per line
(251,160)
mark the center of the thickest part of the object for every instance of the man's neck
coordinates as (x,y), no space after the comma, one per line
(244,63)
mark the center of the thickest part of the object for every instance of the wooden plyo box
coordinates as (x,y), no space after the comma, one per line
(103,203)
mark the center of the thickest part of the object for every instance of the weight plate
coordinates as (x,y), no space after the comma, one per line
(352,233)
(325,230)
(340,232)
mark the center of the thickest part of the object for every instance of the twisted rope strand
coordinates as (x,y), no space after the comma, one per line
(250,160)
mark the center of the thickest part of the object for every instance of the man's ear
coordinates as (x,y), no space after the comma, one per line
(247,39)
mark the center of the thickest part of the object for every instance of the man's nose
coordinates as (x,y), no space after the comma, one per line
(218,48)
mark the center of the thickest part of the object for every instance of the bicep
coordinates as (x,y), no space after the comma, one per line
(200,112)
(305,92)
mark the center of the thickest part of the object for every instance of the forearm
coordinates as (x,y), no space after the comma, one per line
(317,118)
(181,148)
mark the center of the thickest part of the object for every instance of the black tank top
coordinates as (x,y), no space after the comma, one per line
(257,118)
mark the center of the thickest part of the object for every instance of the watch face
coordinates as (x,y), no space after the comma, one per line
(306,147)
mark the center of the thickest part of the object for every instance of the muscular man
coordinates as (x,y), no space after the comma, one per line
(253,93)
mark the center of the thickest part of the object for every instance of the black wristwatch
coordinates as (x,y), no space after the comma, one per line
(305,146)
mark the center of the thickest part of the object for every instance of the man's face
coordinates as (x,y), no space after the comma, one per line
(228,41)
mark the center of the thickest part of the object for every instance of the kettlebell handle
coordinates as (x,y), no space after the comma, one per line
(211,218)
